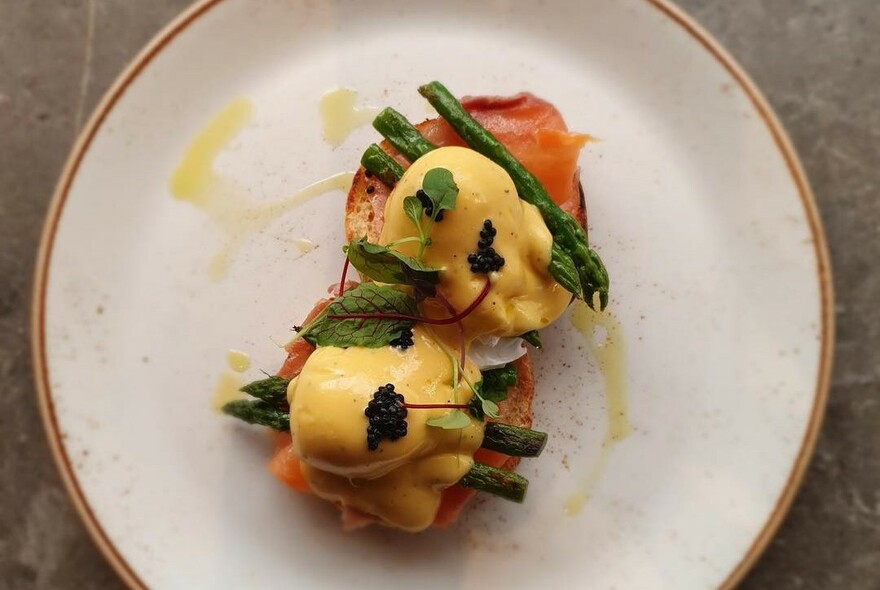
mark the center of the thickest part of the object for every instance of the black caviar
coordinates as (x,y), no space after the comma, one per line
(427,205)
(387,415)
(404,341)
(486,259)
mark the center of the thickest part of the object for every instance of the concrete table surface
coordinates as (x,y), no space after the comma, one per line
(818,61)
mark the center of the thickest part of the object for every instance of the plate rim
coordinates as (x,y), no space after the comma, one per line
(186,18)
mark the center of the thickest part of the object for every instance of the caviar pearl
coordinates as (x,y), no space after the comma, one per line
(486,259)
(386,413)
(404,341)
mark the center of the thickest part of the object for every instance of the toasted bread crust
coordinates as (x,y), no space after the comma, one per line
(517,408)
(365,204)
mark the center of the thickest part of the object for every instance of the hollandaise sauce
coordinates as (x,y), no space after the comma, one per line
(399,482)
(523,295)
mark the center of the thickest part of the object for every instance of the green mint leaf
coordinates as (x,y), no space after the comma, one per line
(451,421)
(413,209)
(440,188)
(367,298)
(389,266)
(533,338)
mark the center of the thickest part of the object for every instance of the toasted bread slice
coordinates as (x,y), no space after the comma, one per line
(517,408)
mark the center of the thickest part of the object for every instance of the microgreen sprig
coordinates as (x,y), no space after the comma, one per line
(440,191)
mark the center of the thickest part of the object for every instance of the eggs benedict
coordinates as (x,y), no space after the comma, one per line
(405,394)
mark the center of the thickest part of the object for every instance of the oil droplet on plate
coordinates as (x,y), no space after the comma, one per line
(340,116)
(603,335)
(194,176)
(238,361)
(575,503)
(227,390)
(305,246)
(224,200)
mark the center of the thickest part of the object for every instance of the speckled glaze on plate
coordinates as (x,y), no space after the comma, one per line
(697,203)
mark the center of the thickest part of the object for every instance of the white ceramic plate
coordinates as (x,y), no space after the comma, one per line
(697,204)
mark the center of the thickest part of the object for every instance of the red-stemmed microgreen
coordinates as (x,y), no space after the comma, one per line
(385,315)
(416,318)
(481,404)
(413,210)
(436,406)
(438,193)
(386,265)
(407,240)
(454,420)
(341,289)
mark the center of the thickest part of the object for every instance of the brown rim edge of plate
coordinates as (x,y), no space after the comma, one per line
(186,18)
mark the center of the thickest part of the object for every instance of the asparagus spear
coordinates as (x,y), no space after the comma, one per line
(566,230)
(258,412)
(563,269)
(382,165)
(272,390)
(493,480)
(533,337)
(402,135)
(513,440)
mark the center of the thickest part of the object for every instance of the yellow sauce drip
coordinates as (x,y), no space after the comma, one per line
(224,200)
(340,116)
(195,173)
(575,502)
(238,361)
(227,390)
(604,337)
